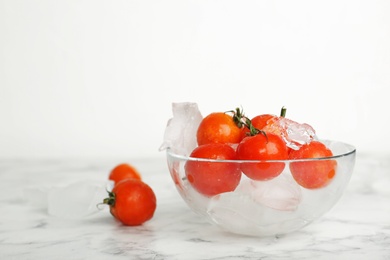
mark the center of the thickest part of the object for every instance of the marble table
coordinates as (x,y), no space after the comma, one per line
(358,227)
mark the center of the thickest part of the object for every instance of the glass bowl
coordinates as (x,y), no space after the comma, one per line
(270,207)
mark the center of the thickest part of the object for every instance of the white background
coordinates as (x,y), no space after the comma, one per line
(96,78)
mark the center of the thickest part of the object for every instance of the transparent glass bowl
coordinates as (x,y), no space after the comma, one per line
(265,208)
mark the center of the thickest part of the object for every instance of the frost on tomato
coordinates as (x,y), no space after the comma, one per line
(213,177)
(313,174)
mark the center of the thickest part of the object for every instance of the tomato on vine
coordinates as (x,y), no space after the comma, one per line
(132,202)
(213,177)
(260,122)
(267,122)
(262,146)
(313,174)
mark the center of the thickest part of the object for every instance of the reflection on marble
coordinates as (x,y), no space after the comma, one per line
(358,227)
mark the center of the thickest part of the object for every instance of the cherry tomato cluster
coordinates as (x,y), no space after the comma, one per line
(226,137)
(131,201)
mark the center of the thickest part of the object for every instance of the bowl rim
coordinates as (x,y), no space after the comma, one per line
(352,150)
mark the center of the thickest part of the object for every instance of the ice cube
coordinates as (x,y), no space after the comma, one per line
(297,134)
(280,193)
(235,212)
(195,200)
(248,210)
(76,200)
(293,133)
(180,132)
(36,196)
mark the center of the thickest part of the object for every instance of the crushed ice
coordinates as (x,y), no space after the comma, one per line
(293,133)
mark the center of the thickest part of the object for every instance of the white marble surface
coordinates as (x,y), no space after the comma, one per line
(358,227)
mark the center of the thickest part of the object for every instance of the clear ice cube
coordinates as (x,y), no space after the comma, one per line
(293,133)
(281,193)
(36,196)
(76,200)
(197,201)
(258,207)
(235,212)
(180,132)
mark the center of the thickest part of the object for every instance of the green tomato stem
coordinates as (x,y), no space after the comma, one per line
(110,200)
(238,116)
(242,121)
(283,112)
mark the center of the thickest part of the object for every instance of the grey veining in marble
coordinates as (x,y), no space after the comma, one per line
(358,227)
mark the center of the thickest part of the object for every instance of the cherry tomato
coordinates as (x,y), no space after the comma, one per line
(124,171)
(313,174)
(132,202)
(261,147)
(261,122)
(211,178)
(270,124)
(218,127)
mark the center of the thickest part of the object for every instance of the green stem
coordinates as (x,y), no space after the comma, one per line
(253,130)
(283,112)
(242,121)
(238,116)
(110,200)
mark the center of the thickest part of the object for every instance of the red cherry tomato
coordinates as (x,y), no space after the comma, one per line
(211,178)
(218,128)
(313,174)
(260,122)
(261,147)
(269,124)
(124,171)
(132,202)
